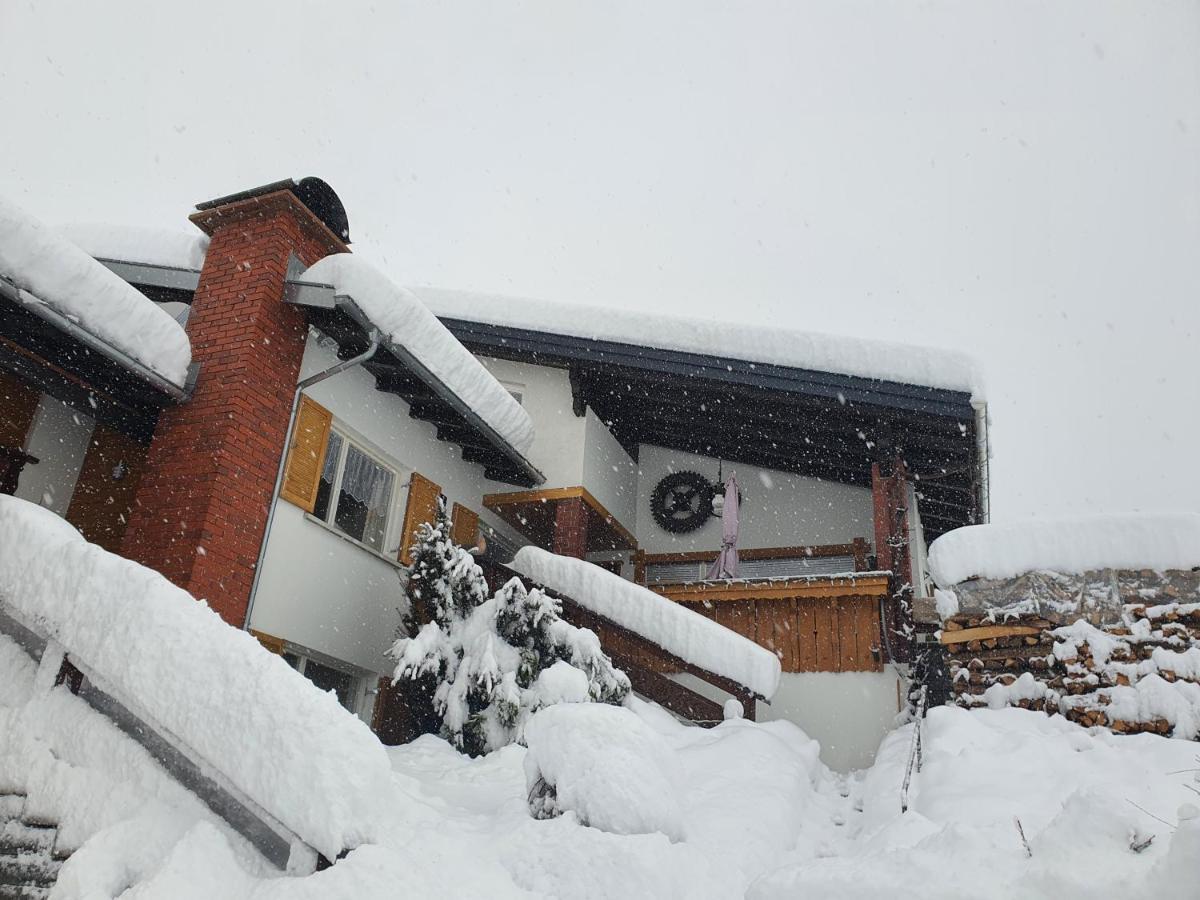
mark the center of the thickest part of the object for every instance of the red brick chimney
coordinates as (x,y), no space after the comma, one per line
(201,506)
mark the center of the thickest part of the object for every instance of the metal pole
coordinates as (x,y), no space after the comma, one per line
(983,466)
(300,387)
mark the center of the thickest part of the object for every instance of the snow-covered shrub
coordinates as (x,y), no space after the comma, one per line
(607,766)
(492,661)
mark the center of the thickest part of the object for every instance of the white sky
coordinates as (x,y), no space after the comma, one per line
(1020,180)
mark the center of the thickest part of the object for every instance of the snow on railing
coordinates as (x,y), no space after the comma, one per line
(679,631)
(915,748)
(209,693)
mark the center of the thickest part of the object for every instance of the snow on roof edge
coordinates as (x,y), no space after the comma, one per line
(405,319)
(41,261)
(171,248)
(1069,545)
(687,634)
(841,354)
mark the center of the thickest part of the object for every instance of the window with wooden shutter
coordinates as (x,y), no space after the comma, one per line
(422,507)
(306,454)
(464,526)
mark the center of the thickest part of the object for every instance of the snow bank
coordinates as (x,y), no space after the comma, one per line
(902,363)
(1068,545)
(292,749)
(688,635)
(130,243)
(65,278)
(1082,799)
(605,765)
(408,322)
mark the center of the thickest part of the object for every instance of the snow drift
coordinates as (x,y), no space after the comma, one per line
(401,316)
(680,631)
(291,748)
(1067,545)
(605,765)
(41,261)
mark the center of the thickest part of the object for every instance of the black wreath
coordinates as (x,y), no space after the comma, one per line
(682,502)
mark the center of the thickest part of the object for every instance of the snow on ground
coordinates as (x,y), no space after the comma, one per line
(1067,545)
(168,247)
(762,817)
(213,688)
(39,260)
(902,363)
(404,319)
(687,634)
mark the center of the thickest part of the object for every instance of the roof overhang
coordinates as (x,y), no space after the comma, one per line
(820,424)
(399,372)
(58,356)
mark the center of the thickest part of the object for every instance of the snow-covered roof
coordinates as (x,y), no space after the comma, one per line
(211,687)
(688,635)
(42,262)
(888,361)
(173,248)
(404,319)
(1067,545)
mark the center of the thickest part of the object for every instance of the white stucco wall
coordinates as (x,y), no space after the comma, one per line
(321,591)
(848,713)
(571,450)
(546,395)
(58,437)
(778,509)
(609,473)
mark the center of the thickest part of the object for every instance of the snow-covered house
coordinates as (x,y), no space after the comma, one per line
(265,419)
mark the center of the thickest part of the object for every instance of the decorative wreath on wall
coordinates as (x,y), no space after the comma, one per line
(682,502)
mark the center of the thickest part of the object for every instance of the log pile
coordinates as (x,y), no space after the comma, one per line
(1095,675)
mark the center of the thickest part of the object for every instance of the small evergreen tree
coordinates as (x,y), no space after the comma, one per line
(495,660)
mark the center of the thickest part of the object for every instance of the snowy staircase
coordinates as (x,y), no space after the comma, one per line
(28,864)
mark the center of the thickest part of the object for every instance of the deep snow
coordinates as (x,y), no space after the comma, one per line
(43,262)
(907,364)
(404,319)
(686,634)
(1074,545)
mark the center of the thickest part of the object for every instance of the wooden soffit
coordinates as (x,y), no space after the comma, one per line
(533,513)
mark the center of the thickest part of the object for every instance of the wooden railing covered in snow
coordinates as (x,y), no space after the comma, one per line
(648,665)
(277,844)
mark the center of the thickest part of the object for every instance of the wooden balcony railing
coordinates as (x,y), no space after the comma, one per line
(828,621)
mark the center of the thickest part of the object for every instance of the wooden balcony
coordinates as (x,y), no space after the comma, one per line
(828,621)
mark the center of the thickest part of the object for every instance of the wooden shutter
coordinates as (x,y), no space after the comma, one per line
(422,507)
(306,454)
(464,526)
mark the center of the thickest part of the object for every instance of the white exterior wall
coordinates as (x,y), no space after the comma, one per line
(58,437)
(848,713)
(324,592)
(560,435)
(571,450)
(778,509)
(609,473)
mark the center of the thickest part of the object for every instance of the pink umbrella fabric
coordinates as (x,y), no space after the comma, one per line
(726,565)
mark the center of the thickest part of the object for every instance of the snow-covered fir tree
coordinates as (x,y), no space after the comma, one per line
(495,660)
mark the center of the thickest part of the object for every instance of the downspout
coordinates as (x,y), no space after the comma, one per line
(300,388)
(982,465)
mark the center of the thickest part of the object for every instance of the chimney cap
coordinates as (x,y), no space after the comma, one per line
(314,193)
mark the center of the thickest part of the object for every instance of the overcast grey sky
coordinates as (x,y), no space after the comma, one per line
(1019,180)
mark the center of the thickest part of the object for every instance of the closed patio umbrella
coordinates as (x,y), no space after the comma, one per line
(726,565)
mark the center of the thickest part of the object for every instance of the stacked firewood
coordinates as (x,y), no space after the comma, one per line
(1034,663)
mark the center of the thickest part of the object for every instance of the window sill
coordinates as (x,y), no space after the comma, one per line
(366,548)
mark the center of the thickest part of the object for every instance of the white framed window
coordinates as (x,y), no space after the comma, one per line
(356,492)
